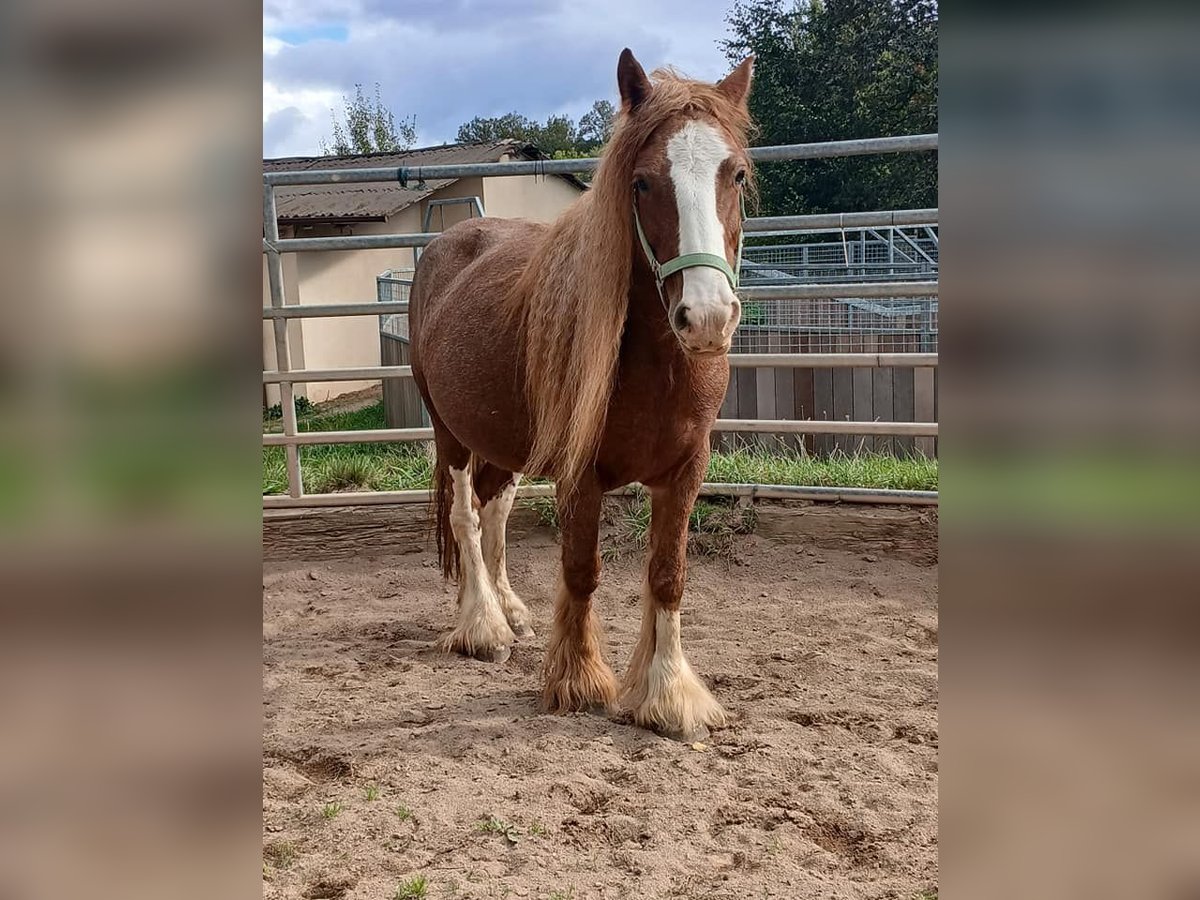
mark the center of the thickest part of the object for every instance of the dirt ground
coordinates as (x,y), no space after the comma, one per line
(386,761)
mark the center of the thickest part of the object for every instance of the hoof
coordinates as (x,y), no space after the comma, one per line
(494,649)
(493,654)
(687,736)
(523,630)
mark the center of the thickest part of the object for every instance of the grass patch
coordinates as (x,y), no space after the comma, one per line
(330,810)
(493,825)
(409,466)
(404,814)
(371,792)
(413,889)
(280,854)
(754,465)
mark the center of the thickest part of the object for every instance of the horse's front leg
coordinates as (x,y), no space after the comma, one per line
(660,689)
(575,675)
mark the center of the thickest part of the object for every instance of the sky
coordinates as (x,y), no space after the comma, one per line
(447,61)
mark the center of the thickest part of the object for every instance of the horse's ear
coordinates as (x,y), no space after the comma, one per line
(631,79)
(736,85)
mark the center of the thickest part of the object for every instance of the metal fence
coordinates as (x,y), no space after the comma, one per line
(882,299)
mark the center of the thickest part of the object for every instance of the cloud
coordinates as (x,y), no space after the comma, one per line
(447,61)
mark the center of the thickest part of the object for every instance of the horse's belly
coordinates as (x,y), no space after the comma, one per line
(474,387)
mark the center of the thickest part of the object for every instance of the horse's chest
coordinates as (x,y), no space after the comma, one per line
(661,413)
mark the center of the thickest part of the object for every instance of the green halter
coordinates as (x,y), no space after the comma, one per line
(690,260)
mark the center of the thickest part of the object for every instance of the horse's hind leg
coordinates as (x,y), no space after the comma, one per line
(660,689)
(575,674)
(481,629)
(496,489)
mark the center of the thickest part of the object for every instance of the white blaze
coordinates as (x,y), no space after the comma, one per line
(695,153)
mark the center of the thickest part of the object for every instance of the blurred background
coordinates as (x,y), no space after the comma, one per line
(131,464)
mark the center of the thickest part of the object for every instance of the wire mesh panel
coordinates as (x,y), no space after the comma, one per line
(844,324)
(393,286)
(867,254)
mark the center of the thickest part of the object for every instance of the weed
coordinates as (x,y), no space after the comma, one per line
(404,813)
(546,510)
(372,792)
(635,521)
(304,406)
(280,854)
(413,889)
(538,829)
(562,895)
(493,825)
(339,473)
(330,810)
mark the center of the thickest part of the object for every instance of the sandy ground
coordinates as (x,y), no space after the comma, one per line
(385,760)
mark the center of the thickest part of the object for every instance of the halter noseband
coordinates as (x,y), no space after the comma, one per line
(690,260)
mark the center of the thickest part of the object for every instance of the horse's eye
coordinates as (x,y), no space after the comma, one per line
(740,177)
(640,185)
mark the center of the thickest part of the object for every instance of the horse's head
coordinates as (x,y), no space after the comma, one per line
(686,189)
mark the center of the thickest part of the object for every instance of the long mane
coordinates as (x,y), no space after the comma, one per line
(573,297)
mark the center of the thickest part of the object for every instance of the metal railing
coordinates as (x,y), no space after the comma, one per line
(278,313)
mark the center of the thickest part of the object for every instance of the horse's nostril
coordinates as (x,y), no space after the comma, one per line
(681,318)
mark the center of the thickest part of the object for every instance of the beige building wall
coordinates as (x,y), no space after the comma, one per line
(348,276)
(534,197)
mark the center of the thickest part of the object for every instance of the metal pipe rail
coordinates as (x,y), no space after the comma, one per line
(404,174)
(759,426)
(736,361)
(708,489)
(868,290)
(899,218)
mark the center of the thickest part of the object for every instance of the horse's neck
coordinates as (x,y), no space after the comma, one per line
(648,329)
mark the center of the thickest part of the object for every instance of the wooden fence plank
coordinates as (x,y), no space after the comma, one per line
(902,407)
(923,409)
(881,395)
(805,402)
(843,406)
(822,408)
(864,409)
(747,402)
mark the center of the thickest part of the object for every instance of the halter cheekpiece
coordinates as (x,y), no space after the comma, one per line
(691,260)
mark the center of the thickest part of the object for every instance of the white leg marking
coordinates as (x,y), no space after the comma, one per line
(481,629)
(494,520)
(662,690)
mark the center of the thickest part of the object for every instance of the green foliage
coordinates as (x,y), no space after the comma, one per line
(303,405)
(828,70)
(546,510)
(371,792)
(404,814)
(493,825)
(369,127)
(330,810)
(413,889)
(753,313)
(557,135)
(280,854)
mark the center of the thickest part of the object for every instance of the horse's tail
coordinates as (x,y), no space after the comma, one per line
(443,500)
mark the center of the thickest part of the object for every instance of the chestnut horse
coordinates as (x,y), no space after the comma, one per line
(592,350)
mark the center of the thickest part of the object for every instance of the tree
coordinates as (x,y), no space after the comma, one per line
(596,125)
(829,70)
(370,127)
(557,135)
